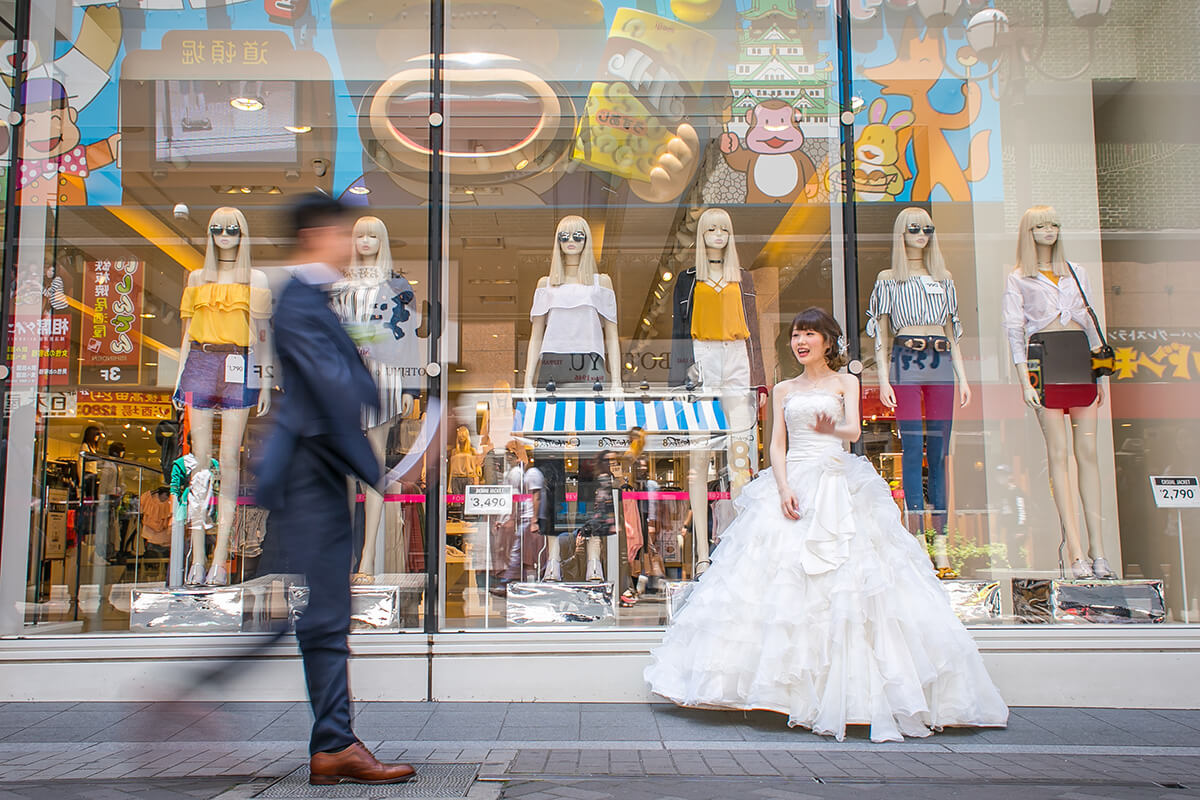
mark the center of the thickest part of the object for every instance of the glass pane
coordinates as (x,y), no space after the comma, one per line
(589,148)
(159,153)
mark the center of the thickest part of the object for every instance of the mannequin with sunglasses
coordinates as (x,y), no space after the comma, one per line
(378,307)
(1045,309)
(715,345)
(225,368)
(573,342)
(913,317)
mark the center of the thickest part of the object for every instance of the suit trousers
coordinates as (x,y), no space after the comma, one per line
(311,534)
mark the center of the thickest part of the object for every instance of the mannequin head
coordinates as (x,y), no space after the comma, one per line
(927,243)
(573,248)
(715,220)
(371,248)
(230,244)
(1040,225)
(462,440)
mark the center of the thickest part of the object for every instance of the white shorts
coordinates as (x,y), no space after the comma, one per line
(724,369)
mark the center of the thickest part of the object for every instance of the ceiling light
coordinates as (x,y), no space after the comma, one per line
(247,103)
(523,163)
(148,316)
(246,190)
(358,190)
(667,275)
(297,128)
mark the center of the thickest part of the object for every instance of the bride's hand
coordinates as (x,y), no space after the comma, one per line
(789,504)
(825,424)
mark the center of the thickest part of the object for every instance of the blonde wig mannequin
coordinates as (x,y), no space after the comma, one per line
(931,255)
(1027,257)
(731,269)
(225,217)
(587,259)
(381,263)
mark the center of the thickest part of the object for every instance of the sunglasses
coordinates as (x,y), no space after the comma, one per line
(232,230)
(915,228)
(579,236)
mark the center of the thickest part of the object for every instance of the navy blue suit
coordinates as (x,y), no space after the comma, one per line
(316,443)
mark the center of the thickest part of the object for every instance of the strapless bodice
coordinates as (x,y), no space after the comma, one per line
(800,411)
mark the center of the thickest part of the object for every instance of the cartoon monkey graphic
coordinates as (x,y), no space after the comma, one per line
(777,170)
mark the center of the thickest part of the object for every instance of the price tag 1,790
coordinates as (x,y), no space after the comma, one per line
(483,501)
(1176,491)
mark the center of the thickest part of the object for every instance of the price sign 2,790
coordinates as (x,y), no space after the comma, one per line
(1176,491)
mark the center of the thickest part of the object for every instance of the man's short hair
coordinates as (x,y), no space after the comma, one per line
(315,210)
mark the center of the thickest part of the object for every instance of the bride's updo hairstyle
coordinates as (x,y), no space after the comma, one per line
(818,319)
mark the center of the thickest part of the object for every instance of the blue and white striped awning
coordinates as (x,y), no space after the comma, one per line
(584,416)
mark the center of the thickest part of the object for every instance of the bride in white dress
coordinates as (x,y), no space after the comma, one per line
(818,603)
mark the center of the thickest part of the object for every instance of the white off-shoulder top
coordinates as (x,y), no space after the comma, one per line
(574,314)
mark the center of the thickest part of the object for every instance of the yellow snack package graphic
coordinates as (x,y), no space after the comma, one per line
(652,65)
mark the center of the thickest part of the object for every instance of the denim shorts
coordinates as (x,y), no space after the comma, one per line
(203,383)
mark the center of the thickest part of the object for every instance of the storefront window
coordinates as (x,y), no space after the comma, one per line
(574,334)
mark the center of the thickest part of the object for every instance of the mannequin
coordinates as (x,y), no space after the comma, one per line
(1042,298)
(918,369)
(226,347)
(715,344)
(573,342)
(371,293)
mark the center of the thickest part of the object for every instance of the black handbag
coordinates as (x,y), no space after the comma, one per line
(1103,357)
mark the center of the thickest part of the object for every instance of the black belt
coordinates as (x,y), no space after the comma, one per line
(218,348)
(938,344)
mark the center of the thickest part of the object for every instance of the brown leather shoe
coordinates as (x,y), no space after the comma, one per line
(355,764)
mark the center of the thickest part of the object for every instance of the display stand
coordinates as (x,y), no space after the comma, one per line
(974,601)
(558,604)
(386,605)
(1042,600)
(244,607)
(1178,492)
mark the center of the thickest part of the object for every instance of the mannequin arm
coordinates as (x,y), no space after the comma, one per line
(535,350)
(960,371)
(1029,393)
(612,355)
(883,360)
(185,347)
(264,359)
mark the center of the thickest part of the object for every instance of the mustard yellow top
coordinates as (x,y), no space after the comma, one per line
(221,312)
(717,314)
(1050,276)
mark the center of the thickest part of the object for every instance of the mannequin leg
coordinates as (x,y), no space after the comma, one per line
(698,496)
(939,414)
(912,455)
(233,427)
(1054,430)
(373,507)
(553,560)
(595,569)
(202,425)
(1083,428)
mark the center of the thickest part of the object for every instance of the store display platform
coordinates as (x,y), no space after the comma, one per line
(1042,600)
(557,604)
(391,603)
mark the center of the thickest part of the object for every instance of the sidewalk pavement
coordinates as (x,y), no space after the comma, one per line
(592,751)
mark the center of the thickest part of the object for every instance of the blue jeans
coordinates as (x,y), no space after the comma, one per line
(924,385)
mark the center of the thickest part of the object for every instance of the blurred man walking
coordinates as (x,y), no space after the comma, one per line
(315,444)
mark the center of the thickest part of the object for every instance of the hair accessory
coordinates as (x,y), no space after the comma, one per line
(841,343)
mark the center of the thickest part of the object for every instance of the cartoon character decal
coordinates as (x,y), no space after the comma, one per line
(878,173)
(777,170)
(915,72)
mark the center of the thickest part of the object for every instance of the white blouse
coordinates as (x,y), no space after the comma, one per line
(573,313)
(1030,304)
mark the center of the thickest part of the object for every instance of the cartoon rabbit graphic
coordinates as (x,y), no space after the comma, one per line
(876,153)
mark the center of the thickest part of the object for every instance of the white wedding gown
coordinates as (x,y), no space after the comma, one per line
(833,619)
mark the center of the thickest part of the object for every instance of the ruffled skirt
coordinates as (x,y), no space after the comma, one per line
(833,619)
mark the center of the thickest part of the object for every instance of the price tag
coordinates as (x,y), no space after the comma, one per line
(484,501)
(235,368)
(931,286)
(1176,491)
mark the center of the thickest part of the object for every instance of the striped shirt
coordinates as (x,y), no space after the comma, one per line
(916,301)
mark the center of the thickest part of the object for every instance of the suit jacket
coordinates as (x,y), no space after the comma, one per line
(682,354)
(325,386)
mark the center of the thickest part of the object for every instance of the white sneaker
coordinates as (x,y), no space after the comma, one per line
(1080,569)
(595,570)
(643,582)
(1102,570)
(553,571)
(195,576)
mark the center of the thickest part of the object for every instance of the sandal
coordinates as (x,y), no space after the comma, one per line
(628,598)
